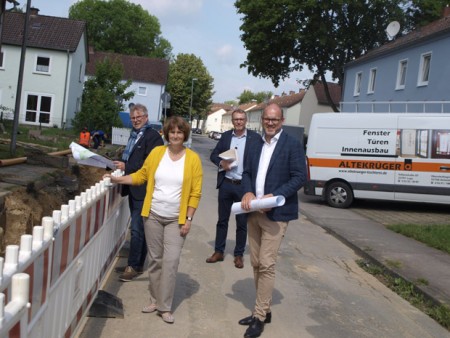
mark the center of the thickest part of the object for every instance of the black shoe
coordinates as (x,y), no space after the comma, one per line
(255,329)
(248,320)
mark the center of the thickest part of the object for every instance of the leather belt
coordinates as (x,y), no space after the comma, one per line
(233,181)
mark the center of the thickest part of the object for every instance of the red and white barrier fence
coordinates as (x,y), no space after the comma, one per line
(64,263)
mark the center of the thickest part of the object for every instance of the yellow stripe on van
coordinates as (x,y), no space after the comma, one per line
(379,165)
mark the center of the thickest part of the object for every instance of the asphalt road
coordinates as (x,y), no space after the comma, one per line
(320,291)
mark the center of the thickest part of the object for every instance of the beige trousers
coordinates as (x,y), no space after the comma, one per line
(164,244)
(264,239)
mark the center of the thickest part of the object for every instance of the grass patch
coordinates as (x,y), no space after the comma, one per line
(393,264)
(409,292)
(436,236)
(53,137)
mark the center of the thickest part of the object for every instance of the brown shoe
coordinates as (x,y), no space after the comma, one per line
(239,262)
(129,274)
(216,257)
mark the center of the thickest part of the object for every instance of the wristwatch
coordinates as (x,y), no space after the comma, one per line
(189,218)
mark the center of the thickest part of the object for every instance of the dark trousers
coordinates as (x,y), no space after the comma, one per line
(97,140)
(228,194)
(138,246)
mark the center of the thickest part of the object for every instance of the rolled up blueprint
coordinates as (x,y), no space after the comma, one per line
(258,204)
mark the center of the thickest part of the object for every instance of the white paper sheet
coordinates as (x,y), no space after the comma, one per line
(230,156)
(264,203)
(87,157)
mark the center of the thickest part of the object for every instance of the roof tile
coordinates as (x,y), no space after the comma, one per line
(136,68)
(47,32)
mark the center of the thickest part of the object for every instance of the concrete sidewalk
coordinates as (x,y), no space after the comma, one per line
(406,257)
(320,291)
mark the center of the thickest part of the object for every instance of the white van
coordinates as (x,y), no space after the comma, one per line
(389,156)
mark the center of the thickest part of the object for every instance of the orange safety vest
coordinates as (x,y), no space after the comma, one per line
(85,138)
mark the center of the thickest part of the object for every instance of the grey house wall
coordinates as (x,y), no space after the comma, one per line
(437,89)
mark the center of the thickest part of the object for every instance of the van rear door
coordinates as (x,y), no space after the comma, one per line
(423,147)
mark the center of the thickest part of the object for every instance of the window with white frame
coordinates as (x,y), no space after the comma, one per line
(401,74)
(142,90)
(2,58)
(372,79)
(80,74)
(42,64)
(358,79)
(78,105)
(38,108)
(424,69)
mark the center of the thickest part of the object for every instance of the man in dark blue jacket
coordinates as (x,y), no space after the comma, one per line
(229,176)
(141,142)
(275,168)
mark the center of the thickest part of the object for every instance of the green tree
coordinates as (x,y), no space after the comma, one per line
(287,35)
(248,96)
(422,12)
(102,98)
(232,103)
(182,70)
(122,27)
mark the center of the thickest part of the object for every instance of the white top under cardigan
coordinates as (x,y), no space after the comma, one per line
(168,182)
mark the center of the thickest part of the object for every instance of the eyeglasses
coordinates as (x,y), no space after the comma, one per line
(274,121)
(138,117)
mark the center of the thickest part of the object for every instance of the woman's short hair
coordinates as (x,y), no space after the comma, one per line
(176,122)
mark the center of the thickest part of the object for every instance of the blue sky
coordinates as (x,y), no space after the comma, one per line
(208,29)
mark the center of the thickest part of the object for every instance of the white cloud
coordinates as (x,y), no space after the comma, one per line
(171,7)
(225,54)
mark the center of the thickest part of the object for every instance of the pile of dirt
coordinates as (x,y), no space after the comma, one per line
(24,208)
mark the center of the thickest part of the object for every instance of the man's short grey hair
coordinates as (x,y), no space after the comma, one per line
(139,107)
(239,111)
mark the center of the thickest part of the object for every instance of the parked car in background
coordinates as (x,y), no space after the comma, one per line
(216,135)
(157,126)
(197,131)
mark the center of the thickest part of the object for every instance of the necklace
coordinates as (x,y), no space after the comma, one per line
(175,154)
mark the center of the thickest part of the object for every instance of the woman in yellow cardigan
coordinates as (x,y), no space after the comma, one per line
(173,175)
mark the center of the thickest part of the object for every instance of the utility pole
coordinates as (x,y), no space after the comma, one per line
(19,81)
(192,97)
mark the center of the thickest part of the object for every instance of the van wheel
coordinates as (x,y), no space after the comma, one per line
(339,195)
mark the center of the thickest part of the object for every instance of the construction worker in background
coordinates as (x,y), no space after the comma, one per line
(98,137)
(85,138)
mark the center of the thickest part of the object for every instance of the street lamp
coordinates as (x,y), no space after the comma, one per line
(192,96)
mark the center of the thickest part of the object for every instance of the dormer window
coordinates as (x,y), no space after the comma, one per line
(142,91)
(43,64)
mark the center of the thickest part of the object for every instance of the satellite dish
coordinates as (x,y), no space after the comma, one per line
(392,29)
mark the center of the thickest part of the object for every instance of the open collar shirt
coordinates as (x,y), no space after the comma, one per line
(264,160)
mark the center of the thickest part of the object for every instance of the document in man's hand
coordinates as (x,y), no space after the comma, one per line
(230,156)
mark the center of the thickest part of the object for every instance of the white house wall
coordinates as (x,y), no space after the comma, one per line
(75,83)
(151,99)
(310,106)
(292,114)
(214,121)
(63,106)
(52,84)
(254,120)
(8,76)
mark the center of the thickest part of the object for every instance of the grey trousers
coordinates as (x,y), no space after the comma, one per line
(164,244)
